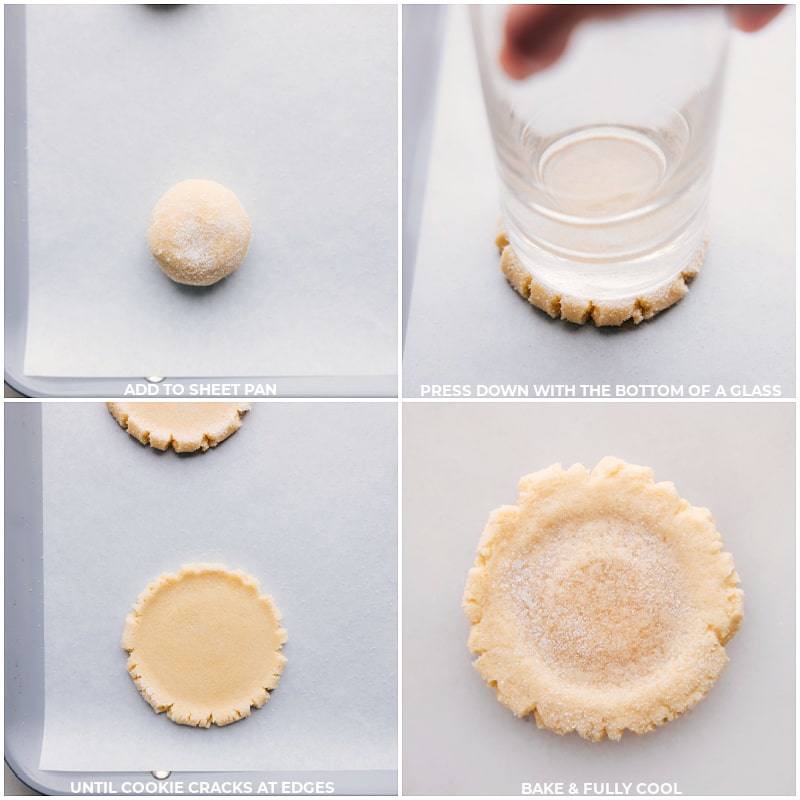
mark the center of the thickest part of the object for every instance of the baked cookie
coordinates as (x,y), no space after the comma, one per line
(204,645)
(601,602)
(581,309)
(185,427)
(199,232)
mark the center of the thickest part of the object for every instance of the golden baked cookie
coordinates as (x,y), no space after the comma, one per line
(199,232)
(185,427)
(582,309)
(601,602)
(204,645)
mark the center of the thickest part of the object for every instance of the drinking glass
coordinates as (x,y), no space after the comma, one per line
(605,158)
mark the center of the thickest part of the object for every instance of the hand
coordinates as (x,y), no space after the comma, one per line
(536,36)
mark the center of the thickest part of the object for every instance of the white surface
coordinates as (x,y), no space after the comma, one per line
(461,461)
(302,497)
(292,107)
(467,326)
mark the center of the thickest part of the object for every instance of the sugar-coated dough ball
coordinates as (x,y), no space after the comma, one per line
(199,232)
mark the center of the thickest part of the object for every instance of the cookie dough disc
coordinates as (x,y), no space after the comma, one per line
(204,645)
(185,427)
(601,602)
(582,309)
(199,232)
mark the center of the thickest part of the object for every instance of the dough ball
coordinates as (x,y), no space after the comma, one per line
(199,232)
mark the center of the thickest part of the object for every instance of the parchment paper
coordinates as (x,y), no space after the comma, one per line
(737,459)
(736,326)
(293,107)
(303,498)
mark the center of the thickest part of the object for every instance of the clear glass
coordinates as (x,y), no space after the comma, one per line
(605,158)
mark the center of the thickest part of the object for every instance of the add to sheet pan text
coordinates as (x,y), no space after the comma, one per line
(201,390)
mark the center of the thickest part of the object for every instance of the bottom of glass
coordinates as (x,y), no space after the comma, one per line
(567,293)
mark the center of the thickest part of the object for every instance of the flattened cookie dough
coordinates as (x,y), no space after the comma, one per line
(204,645)
(601,602)
(581,309)
(185,427)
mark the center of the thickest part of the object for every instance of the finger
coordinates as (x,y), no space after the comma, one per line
(753,18)
(535,37)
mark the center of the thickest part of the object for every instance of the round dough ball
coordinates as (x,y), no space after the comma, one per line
(199,232)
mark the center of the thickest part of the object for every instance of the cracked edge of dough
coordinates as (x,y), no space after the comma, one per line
(561,710)
(581,310)
(163,440)
(185,715)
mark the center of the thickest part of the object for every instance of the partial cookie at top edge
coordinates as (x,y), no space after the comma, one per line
(183,426)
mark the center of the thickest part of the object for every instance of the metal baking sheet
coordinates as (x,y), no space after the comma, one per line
(737,459)
(294,107)
(303,497)
(736,327)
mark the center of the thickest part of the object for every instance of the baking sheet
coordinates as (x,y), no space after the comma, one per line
(736,459)
(302,497)
(736,326)
(293,107)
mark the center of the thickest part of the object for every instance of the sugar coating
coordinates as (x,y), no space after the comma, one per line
(199,232)
(582,309)
(601,602)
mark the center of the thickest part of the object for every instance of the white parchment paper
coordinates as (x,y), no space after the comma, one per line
(736,326)
(304,498)
(293,107)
